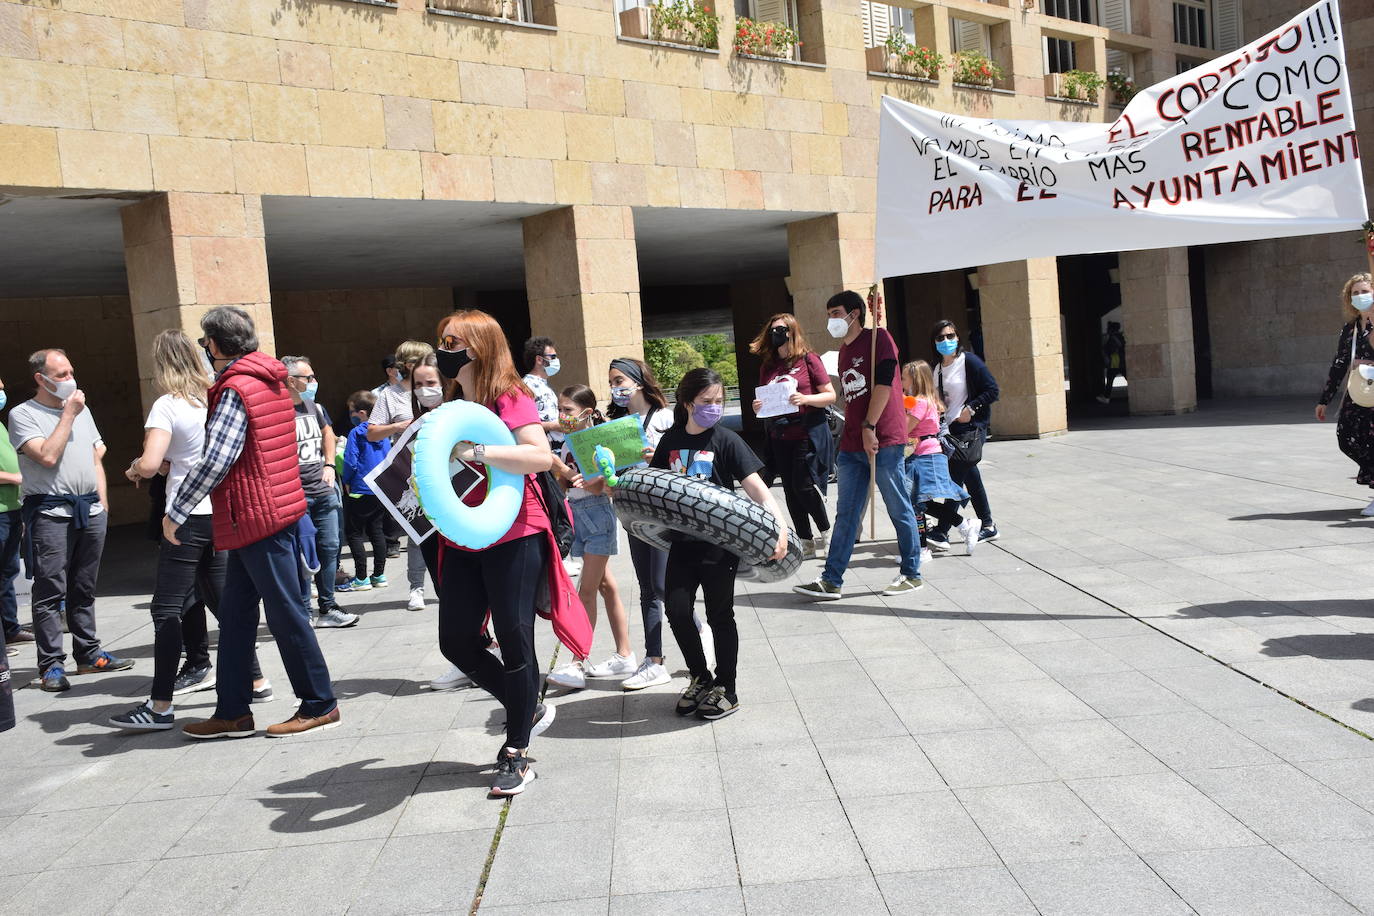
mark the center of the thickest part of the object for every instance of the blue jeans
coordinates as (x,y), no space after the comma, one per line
(10,531)
(324,512)
(895,488)
(268,571)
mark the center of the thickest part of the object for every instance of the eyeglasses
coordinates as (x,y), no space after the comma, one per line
(308,378)
(549,356)
(946,336)
(449,342)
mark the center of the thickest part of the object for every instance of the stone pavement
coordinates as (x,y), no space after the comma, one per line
(1095,714)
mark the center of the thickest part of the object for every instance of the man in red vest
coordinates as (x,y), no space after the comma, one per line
(251,472)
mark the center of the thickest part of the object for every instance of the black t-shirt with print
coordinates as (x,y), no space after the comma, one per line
(718,454)
(311,420)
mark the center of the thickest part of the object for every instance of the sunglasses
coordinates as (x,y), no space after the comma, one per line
(448,342)
(946,336)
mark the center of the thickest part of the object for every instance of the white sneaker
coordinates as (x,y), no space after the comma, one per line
(1368,510)
(615,666)
(417,600)
(450,679)
(650,674)
(926,556)
(570,675)
(969,529)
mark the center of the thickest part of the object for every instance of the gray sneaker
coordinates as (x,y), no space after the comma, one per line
(902,585)
(335,619)
(821,590)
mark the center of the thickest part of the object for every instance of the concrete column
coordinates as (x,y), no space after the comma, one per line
(827,254)
(1020,309)
(582,275)
(1157,319)
(186,253)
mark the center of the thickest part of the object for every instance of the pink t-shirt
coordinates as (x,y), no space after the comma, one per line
(927,424)
(516,409)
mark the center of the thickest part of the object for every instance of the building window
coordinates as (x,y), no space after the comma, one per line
(969,36)
(881,20)
(1059,56)
(1077,10)
(1116,15)
(1190,24)
(1184,64)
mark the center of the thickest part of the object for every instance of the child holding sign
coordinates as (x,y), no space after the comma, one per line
(594,540)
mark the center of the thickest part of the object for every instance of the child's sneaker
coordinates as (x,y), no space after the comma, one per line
(926,556)
(379,581)
(969,529)
(354,585)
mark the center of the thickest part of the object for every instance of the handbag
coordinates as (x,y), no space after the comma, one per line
(1360,388)
(965,446)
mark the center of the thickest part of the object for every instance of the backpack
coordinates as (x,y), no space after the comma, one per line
(557,509)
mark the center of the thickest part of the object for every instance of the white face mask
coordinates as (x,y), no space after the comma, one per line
(430,396)
(1362,301)
(838,327)
(551,367)
(63,389)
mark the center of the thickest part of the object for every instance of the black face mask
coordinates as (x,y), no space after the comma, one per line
(778,337)
(451,362)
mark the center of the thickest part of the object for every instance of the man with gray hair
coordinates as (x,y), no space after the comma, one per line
(64,514)
(251,472)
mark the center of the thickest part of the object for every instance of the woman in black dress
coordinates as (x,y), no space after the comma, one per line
(1355,424)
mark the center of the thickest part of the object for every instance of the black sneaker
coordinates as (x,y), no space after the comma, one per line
(718,704)
(512,772)
(989,533)
(143,718)
(690,699)
(190,679)
(937,541)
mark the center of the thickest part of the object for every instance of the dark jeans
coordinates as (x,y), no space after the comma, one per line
(66,563)
(651,566)
(695,564)
(946,513)
(324,512)
(504,579)
(11,534)
(364,519)
(793,458)
(268,571)
(190,576)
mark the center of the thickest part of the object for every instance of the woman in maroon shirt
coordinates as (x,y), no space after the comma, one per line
(800,442)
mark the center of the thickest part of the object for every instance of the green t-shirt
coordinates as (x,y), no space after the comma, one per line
(9,463)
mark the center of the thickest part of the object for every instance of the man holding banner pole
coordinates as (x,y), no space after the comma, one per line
(874,437)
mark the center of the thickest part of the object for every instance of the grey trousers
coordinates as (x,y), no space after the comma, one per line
(66,563)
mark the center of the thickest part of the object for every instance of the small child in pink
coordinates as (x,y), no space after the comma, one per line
(926,463)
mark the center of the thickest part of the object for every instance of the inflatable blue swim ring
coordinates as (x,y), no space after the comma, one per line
(473,527)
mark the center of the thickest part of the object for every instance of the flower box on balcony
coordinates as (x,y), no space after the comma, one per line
(883,60)
(680,22)
(496,9)
(1074,85)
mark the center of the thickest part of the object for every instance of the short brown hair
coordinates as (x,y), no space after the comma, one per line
(362,400)
(38,359)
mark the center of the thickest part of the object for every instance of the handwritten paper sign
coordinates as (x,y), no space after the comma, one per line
(1257,143)
(624,437)
(774,398)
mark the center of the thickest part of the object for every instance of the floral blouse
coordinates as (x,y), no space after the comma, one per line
(1364,349)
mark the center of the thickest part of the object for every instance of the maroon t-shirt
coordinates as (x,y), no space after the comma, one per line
(809,374)
(856,384)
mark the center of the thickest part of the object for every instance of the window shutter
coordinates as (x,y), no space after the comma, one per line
(771,11)
(1120,60)
(1116,15)
(1226,24)
(969,36)
(876,23)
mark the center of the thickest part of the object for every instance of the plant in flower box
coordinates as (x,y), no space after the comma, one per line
(974,68)
(1082,84)
(1122,86)
(683,22)
(898,55)
(765,39)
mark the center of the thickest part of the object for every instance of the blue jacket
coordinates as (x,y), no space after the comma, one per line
(982,392)
(360,457)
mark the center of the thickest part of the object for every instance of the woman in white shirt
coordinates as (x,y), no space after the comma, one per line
(189,575)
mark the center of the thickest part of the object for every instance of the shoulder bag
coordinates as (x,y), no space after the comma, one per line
(1357,384)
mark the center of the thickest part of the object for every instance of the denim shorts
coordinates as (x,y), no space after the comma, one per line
(594,527)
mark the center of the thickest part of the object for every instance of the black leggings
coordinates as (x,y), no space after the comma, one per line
(504,580)
(695,564)
(946,513)
(793,459)
(365,525)
(650,565)
(189,574)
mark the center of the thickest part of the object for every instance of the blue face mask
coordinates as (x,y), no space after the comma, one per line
(4,399)
(311,389)
(947,347)
(621,396)
(354,419)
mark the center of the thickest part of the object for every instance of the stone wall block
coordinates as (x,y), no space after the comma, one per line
(43,94)
(191,163)
(590,138)
(395,174)
(674,144)
(634,140)
(229,271)
(409,123)
(456,177)
(105,160)
(617,184)
(351,119)
(28,157)
(270,168)
(487,84)
(133,102)
(284,114)
(16,33)
(240,57)
(528,180)
(338,171)
(213,108)
(555,91)
(304,65)
(157,48)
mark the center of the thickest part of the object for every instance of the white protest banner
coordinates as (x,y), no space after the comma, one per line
(1258,143)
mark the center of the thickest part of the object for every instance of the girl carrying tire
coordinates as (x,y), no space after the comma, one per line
(594,540)
(504,576)
(635,390)
(698,446)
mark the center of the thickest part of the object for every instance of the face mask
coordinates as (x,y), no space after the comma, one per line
(355,420)
(947,347)
(4,399)
(63,389)
(572,424)
(621,396)
(451,362)
(707,415)
(209,359)
(838,327)
(551,367)
(777,337)
(311,389)
(1362,301)
(430,396)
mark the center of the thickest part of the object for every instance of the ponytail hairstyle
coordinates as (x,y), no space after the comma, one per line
(693,384)
(585,398)
(410,354)
(638,371)
(921,382)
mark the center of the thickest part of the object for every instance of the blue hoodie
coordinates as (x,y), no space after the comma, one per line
(360,457)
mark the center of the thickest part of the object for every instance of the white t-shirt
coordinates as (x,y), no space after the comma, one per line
(186,424)
(953,381)
(659,423)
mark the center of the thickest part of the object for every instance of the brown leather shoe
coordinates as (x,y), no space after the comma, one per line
(242,727)
(299,723)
